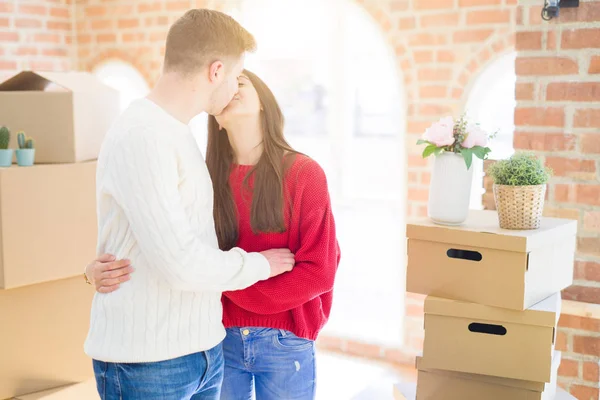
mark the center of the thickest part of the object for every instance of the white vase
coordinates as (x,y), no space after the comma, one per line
(450,190)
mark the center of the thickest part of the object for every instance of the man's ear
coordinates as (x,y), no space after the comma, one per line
(216,71)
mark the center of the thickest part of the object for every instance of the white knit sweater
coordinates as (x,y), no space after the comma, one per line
(155,208)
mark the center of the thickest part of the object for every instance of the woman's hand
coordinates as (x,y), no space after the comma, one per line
(106,274)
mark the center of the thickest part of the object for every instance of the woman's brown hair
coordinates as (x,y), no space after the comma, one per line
(267,210)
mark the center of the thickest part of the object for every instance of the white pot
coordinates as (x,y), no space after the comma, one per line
(450,190)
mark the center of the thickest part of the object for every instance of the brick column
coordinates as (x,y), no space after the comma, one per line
(558,117)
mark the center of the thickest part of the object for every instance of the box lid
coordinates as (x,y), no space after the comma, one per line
(422,365)
(544,313)
(54,81)
(486,222)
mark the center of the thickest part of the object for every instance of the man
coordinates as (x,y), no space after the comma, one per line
(159,336)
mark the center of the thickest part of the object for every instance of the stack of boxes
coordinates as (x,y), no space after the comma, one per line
(492,306)
(48,228)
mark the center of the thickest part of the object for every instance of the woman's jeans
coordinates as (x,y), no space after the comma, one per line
(273,364)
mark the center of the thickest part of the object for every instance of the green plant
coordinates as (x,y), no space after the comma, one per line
(24,142)
(21,139)
(4,138)
(522,169)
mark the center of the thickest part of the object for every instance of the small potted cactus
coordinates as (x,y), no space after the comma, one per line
(26,150)
(6,154)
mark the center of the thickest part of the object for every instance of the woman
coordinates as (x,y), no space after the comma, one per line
(266,195)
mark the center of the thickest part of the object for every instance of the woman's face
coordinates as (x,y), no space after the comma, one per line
(244,104)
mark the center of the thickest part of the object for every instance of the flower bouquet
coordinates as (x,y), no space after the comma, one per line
(454,144)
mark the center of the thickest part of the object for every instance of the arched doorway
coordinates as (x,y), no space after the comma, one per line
(491,102)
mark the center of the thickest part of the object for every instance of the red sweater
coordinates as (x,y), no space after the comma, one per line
(298,301)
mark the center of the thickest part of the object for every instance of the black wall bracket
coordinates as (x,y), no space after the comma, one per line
(552,7)
(569,3)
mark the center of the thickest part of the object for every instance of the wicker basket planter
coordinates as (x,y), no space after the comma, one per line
(519,207)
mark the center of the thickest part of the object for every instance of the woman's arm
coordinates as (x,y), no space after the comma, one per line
(317,258)
(314,273)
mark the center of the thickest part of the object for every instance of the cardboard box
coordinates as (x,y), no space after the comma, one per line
(81,391)
(436,384)
(407,392)
(48,225)
(478,339)
(67,113)
(41,339)
(481,263)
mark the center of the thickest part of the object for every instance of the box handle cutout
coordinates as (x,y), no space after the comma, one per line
(487,329)
(464,254)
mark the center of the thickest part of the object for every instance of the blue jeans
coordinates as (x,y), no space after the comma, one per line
(196,376)
(271,364)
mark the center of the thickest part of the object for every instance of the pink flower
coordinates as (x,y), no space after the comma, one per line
(441,133)
(475,137)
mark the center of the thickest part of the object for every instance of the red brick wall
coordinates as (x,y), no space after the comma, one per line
(578,338)
(35,34)
(132,31)
(558,117)
(560,121)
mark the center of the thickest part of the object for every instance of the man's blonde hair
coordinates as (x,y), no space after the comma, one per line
(201,37)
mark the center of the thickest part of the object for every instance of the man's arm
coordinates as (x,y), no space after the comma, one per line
(144,180)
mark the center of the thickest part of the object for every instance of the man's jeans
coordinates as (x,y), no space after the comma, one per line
(196,376)
(273,364)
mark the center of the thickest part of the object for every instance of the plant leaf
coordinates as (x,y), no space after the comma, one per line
(429,150)
(437,151)
(521,169)
(421,141)
(468,156)
(480,152)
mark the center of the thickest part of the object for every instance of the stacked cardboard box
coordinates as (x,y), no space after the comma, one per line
(48,228)
(492,306)
(407,391)
(67,113)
